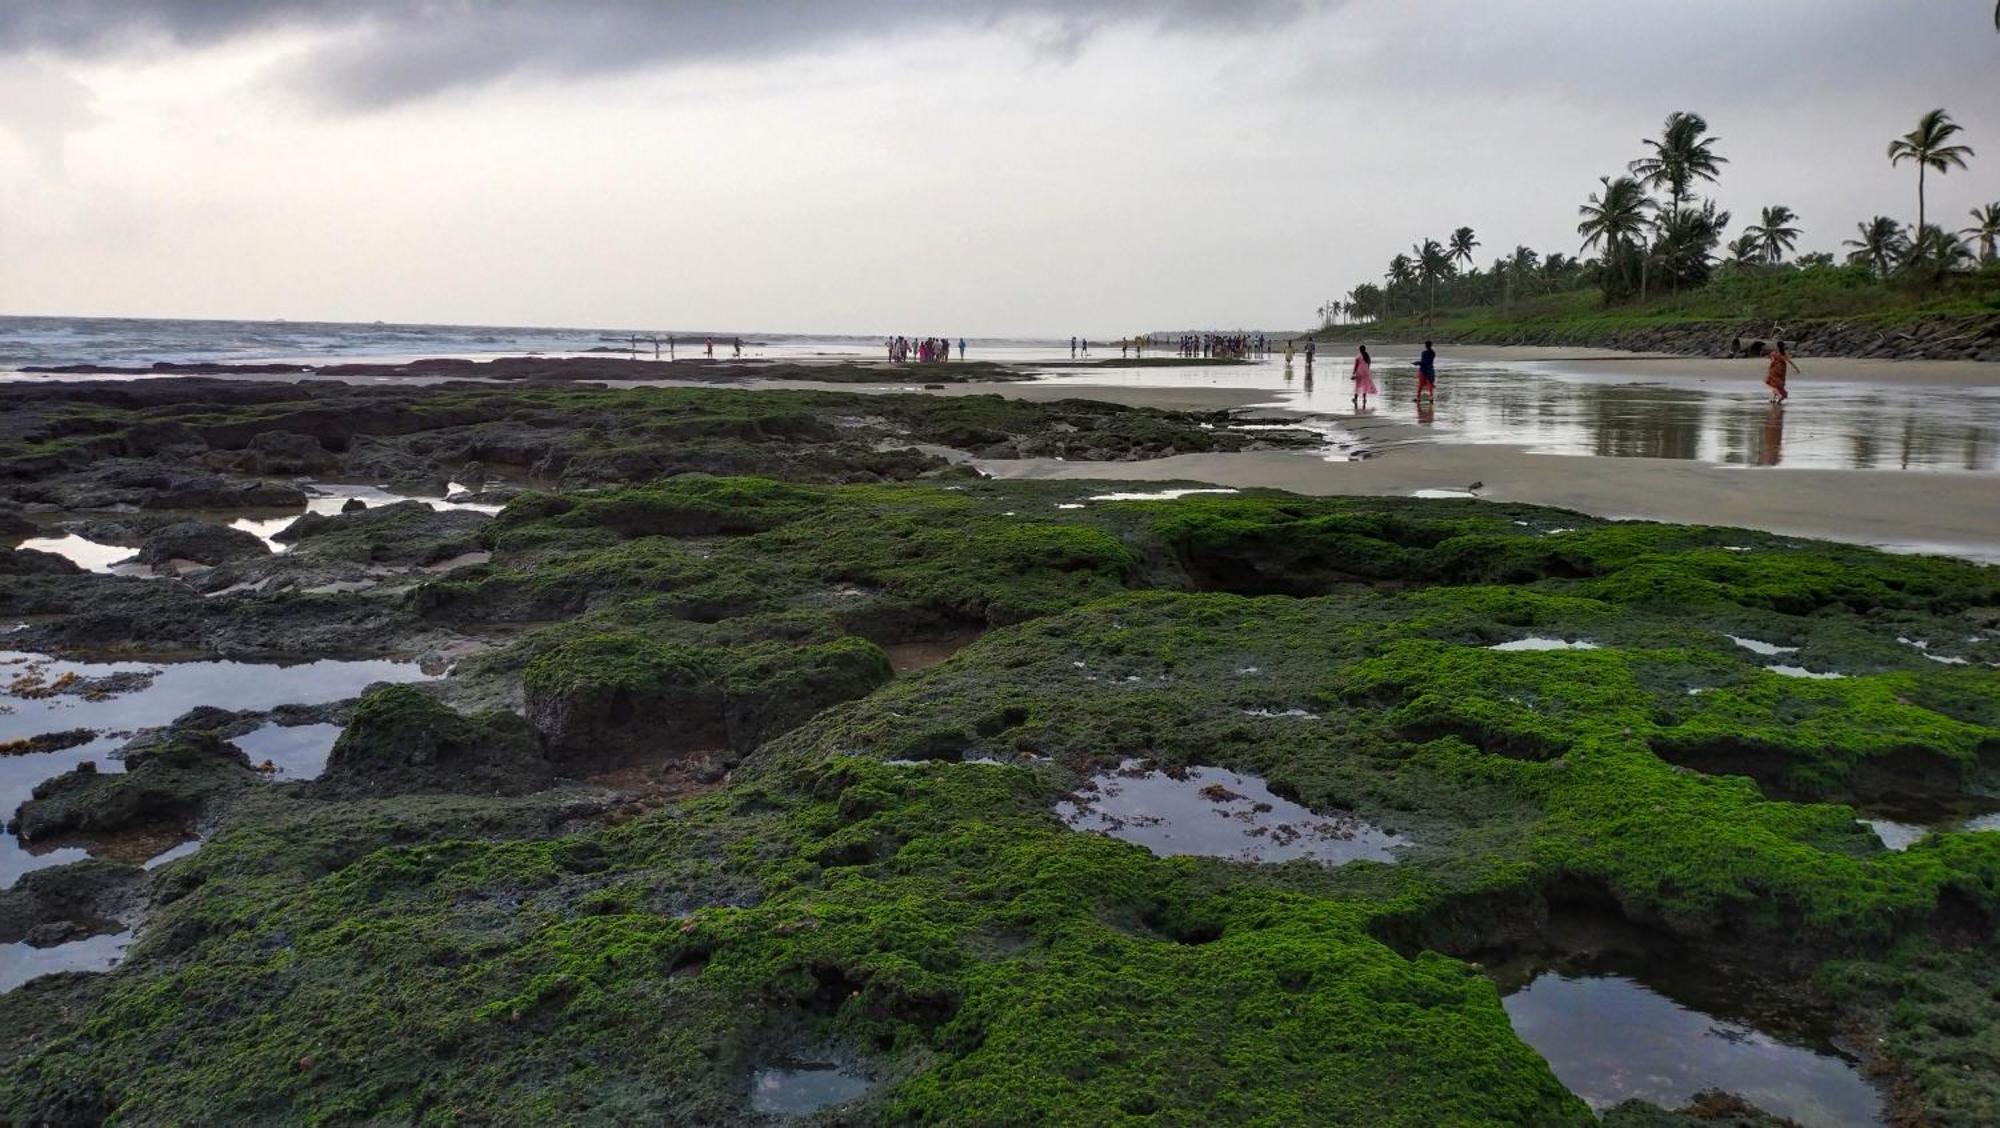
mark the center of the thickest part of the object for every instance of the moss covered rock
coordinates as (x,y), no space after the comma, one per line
(402,739)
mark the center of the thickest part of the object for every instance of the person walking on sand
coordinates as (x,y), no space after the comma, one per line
(708,344)
(1364,378)
(738,343)
(1774,372)
(1072,348)
(1427,373)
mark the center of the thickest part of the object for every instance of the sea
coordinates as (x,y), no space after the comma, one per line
(130,342)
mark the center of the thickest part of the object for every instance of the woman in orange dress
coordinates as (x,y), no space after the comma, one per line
(1774,374)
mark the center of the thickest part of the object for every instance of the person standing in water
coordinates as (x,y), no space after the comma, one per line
(961,348)
(1774,373)
(1427,373)
(1364,378)
(1072,348)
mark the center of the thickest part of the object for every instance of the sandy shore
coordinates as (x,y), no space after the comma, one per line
(1625,366)
(1952,513)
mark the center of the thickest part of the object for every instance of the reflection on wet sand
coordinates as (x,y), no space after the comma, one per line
(1846,424)
(1833,427)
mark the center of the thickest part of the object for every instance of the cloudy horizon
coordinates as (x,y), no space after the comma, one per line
(977,168)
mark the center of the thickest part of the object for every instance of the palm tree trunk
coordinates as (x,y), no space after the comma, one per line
(1919,233)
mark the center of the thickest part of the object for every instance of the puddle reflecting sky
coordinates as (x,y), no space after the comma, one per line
(797,1088)
(1610,1039)
(22,962)
(174,689)
(296,751)
(1220,814)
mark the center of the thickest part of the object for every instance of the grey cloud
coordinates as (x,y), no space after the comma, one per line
(380,52)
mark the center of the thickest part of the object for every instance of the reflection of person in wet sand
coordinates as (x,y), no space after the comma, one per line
(1426,411)
(1774,372)
(1772,449)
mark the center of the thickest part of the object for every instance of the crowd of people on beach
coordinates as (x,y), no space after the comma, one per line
(923,350)
(1228,346)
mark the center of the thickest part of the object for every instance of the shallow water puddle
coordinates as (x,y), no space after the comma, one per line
(1157,495)
(1908,828)
(1767,649)
(1802,672)
(293,751)
(328,499)
(141,694)
(922,654)
(1543,644)
(795,1088)
(1923,647)
(22,962)
(105,701)
(1213,812)
(1610,1039)
(1443,494)
(89,555)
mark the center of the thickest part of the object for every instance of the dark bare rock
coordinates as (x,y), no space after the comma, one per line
(117,482)
(71,902)
(94,612)
(278,453)
(35,562)
(129,530)
(15,523)
(201,543)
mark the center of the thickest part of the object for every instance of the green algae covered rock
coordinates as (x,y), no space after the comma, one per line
(609,697)
(168,780)
(400,738)
(1573,726)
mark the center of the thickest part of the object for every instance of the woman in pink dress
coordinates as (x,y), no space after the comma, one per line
(1364,380)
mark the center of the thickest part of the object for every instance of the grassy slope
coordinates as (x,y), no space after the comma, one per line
(470,959)
(1790,297)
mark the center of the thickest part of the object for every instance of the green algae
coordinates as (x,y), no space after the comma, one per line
(346,959)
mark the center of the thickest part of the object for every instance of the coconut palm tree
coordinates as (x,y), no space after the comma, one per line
(1616,220)
(1746,249)
(1937,252)
(1365,301)
(1402,272)
(1986,229)
(1928,145)
(1557,270)
(1433,263)
(1462,245)
(1881,245)
(1680,157)
(1521,268)
(1774,233)
(1687,240)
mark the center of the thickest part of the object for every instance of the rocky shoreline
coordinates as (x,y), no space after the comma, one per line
(750,729)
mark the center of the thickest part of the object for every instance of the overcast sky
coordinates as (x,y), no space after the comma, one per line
(974,167)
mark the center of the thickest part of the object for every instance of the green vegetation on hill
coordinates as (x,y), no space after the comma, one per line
(1828,310)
